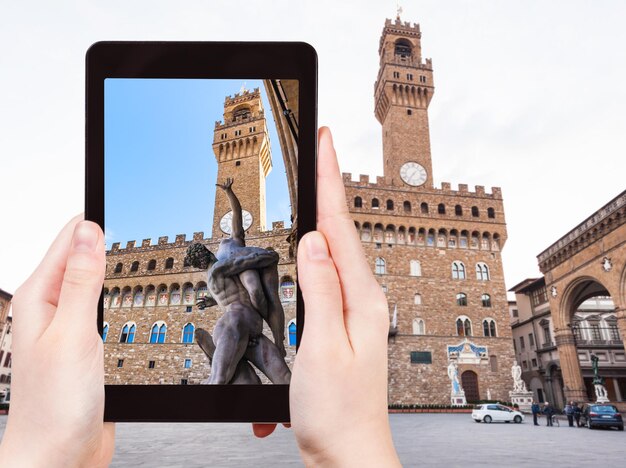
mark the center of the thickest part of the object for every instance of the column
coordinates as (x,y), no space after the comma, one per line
(570,367)
(620,314)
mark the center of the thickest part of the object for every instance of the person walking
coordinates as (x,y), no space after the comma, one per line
(569,412)
(577,413)
(548,410)
(536,410)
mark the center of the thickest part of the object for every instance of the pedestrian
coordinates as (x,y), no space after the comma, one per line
(577,413)
(536,410)
(569,412)
(548,410)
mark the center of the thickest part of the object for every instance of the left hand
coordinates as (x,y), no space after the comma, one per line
(57,404)
(226,186)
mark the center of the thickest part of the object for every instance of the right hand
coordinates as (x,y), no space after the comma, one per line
(226,185)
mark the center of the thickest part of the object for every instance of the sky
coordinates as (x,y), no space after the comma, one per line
(159,167)
(529,97)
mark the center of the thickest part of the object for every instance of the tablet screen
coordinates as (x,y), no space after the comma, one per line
(200,212)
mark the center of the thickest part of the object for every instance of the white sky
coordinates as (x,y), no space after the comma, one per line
(529,97)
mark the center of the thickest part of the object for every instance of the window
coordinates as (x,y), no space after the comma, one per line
(489,327)
(287,289)
(441,208)
(384,288)
(407,206)
(416,268)
(188,309)
(595,331)
(157,335)
(169,263)
(458,210)
(482,272)
(475,213)
(118,268)
(614,332)
(134,266)
(237,163)
(409,76)
(430,238)
(424,208)
(461,299)
(396,74)
(491,213)
(291,328)
(403,49)
(390,204)
(151,265)
(493,363)
(188,331)
(531,340)
(458,270)
(547,339)
(515,313)
(128,333)
(358,202)
(539,296)
(186,260)
(534,362)
(151,364)
(418,326)
(486,300)
(421,357)
(120,363)
(417,299)
(184,381)
(463,326)
(522,346)
(7,360)
(105,332)
(187,363)
(380,267)
(375,203)
(409,112)
(525,365)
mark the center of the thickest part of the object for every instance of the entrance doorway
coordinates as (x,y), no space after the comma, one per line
(469,380)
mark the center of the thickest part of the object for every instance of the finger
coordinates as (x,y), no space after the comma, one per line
(321,291)
(83,278)
(36,300)
(360,289)
(263,430)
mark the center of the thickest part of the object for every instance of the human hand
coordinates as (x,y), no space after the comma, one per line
(226,185)
(57,404)
(338,394)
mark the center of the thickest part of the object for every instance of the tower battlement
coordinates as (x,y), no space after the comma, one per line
(245,95)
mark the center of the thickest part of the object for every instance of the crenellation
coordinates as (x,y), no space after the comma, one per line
(446,186)
(130,245)
(278,225)
(346,176)
(480,190)
(463,188)
(162,240)
(146,243)
(115,247)
(198,236)
(180,239)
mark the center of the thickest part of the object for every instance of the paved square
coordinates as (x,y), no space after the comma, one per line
(431,440)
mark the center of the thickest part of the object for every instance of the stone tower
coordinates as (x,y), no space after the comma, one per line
(242,148)
(403,91)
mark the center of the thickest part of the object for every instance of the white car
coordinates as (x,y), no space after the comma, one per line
(496,413)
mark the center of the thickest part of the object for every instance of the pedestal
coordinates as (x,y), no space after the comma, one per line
(601,394)
(458,399)
(524,400)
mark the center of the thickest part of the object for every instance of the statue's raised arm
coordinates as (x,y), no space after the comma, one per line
(236,231)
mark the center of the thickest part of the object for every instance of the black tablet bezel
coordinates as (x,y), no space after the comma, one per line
(236,60)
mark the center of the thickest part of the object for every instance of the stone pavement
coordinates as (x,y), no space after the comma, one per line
(433,440)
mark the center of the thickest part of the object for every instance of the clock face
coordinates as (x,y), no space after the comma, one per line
(227,219)
(413,173)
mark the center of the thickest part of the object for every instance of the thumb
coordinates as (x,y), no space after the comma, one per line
(83,278)
(321,291)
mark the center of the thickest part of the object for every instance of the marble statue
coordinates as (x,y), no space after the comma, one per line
(453,374)
(518,384)
(243,284)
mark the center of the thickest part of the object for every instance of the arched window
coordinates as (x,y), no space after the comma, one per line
(441,208)
(475,213)
(452,239)
(418,327)
(134,266)
(458,270)
(489,327)
(375,203)
(366,232)
(403,49)
(491,213)
(169,263)
(390,204)
(430,238)
(417,299)
(151,265)
(390,234)
(175,295)
(416,268)
(150,296)
(407,206)
(358,202)
(201,290)
(138,297)
(188,294)
(486,300)
(458,210)
(378,232)
(380,267)
(127,297)
(105,332)
(188,331)
(463,240)
(461,299)
(463,326)
(287,289)
(482,272)
(128,333)
(118,268)
(158,331)
(291,328)
(163,297)
(424,208)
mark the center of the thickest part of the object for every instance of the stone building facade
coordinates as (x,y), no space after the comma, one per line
(434,250)
(6,336)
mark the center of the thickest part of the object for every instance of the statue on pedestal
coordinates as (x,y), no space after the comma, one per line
(457,394)
(518,384)
(598,382)
(520,395)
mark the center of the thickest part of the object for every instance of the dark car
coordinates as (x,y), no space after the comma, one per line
(594,415)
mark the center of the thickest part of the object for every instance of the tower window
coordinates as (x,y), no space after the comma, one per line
(441,208)
(458,210)
(424,208)
(396,74)
(118,268)
(237,163)
(390,204)
(151,364)
(358,202)
(403,49)
(491,213)
(375,203)
(169,263)
(407,206)
(134,266)
(151,265)
(409,112)
(475,211)
(120,363)
(409,76)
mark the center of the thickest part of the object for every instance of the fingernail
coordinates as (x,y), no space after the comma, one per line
(85,237)
(317,249)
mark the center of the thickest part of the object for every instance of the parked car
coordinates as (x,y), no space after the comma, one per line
(496,413)
(596,415)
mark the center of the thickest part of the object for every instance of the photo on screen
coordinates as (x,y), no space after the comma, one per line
(200,228)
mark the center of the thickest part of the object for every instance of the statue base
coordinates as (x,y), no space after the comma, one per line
(524,400)
(601,394)
(458,399)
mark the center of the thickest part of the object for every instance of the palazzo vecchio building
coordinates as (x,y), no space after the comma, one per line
(434,250)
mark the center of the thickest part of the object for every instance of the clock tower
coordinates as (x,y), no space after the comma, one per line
(242,148)
(403,91)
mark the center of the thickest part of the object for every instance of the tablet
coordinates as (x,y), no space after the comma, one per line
(200,168)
